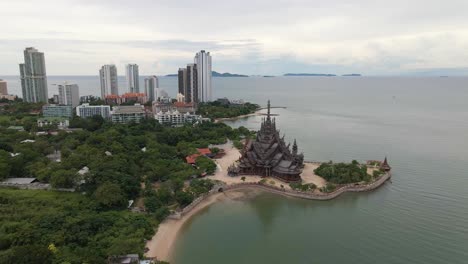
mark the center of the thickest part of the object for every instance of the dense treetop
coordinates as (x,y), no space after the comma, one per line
(143,162)
(219,110)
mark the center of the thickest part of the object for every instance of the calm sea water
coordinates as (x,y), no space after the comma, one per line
(421,124)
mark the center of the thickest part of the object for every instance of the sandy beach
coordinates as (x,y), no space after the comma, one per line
(161,246)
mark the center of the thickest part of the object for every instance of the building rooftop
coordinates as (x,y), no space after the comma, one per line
(52,118)
(126,95)
(19,180)
(182,104)
(129,109)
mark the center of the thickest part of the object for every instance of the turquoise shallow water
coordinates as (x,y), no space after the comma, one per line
(421,124)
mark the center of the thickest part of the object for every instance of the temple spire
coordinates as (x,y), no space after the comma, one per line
(268,112)
(294,148)
(385,165)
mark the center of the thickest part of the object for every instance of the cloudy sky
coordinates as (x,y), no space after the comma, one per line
(373,37)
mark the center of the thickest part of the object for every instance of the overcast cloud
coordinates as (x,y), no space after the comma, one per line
(373,37)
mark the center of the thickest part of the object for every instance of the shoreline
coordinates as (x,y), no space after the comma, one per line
(217,120)
(162,244)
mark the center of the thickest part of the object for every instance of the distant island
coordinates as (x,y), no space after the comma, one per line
(216,74)
(352,75)
(310,74)
(321,74)
(227,74)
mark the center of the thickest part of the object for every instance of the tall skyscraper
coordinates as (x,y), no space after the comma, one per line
(152,88)
(108,76)
(191,95)
(132,78)
(203,62)
(69,94)
(182,77)
(3,87)
(33,76)
(188,84)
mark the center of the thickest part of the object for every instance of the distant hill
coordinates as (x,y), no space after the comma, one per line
(352,75)
(226,74)
(216,74)
(310,74)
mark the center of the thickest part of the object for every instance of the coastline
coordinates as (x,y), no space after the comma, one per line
(162,244)
(257,112)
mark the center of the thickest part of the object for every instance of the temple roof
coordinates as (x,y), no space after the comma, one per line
(270,151)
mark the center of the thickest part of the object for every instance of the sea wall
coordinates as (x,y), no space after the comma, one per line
(291,193)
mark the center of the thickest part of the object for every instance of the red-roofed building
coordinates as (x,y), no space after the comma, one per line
(191,159)
(127,97)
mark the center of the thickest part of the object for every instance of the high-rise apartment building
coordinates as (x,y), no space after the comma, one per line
(133,77)
(188,84)
(152,88)
(182,76)
(109,82)
(33,76)
(203,62)
(69,94)
(3,87)
(191,95)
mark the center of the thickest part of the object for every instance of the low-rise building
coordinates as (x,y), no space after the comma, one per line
(57,111)
(60,122)
(125,98)
(175,118)
(177,106)
(128,113)
(86,110)
(9,97)
(185,107)
(88,98)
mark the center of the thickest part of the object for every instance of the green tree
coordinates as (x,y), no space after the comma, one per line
(109,195)
(63,178)
(206,164)
(5,165)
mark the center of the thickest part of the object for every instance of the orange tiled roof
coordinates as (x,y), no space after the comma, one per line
(204,151)
(182,104)
(192,158)
(126,95)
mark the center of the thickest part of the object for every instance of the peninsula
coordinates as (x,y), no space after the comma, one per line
(265,163)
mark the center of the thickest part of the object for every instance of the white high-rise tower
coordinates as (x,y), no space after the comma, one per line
(203,62)
(132,78)
(152,88)
(33,76)
(69,94)
(108,76)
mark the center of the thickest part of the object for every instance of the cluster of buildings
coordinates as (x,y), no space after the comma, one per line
(194,81)
(109,84)
(194,87)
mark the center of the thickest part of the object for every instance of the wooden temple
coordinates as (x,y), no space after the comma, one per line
(269,156)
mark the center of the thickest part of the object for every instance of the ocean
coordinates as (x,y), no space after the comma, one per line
(421,216)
